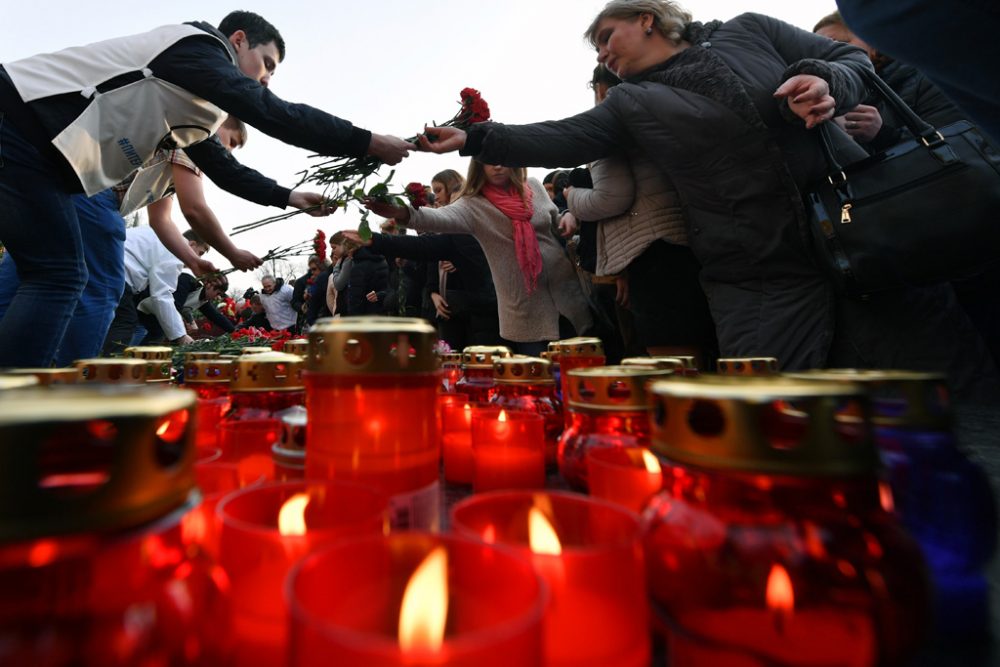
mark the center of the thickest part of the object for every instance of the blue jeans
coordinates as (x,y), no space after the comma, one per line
(41,231)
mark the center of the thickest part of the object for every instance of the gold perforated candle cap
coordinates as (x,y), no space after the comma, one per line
(48,376)
(290,451)
(611,387)
(451,359)
(299,346)
(156,352)
(903,399)
(668,363)
(92,458)
(267,371)
(760,366)
(111,371)
(200,356)
(362,345)
(255,349)
(522,370)
(763,425)
(208,371)
(483,356)
(577,347)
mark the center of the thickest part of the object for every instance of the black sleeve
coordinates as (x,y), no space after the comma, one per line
(426,248)
(226,172)
(213,315)
(202,66)
(573,141)
(299,294)
(317,302)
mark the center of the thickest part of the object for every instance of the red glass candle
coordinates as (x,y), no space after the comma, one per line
(629,476)
(346,604)
(526,384)
(95,567)
(451,371)
(265,530)
(573,353)
(508,450)
(289,454)
(216,478)
(209,378)
(209,415)
(456,440)
(769,544)
(372,398)
(265,385)
(477,371)
(588,552)
(248,443)
(608,408)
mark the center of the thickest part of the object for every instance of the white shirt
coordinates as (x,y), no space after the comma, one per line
(148,263)
(278,307)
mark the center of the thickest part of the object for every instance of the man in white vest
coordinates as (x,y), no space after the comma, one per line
(85,118)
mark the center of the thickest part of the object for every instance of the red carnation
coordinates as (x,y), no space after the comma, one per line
(417,194)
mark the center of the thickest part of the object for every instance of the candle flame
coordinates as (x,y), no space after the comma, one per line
(541,535)
(503,416)
(292,516)
(780,595)
(649,460)
(885,497)
(424,613)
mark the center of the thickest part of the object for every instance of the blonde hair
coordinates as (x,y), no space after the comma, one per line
(450,179)
(669,18)
(476,179)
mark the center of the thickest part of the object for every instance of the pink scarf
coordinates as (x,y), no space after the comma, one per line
(529,257)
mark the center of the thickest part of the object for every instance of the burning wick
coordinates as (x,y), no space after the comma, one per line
(292,516)
(780,596)
(424,612)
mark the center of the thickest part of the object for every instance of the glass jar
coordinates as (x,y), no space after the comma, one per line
(96,566)
(451,371)
(607,407)
(526,384)
(571,353)
(769,543)
(209,378)
(371,395)
(265,385)
(477,371)
(942,498)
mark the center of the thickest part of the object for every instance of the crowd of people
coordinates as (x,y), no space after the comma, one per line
(674,224)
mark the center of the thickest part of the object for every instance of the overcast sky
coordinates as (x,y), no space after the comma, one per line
(385,65)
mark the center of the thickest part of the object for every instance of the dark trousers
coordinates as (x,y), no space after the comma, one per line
(123,326)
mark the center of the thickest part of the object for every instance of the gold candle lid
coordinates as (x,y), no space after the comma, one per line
(12,381)
(159,371)
(577,347)
(299,346)
(48,376)
(522,370)
(208,371)
(668,363)
(905,399)
(291,449)
(198,356)
(366,345)
(149,352)
(611,388)
(483,356)
(767,425)
(267,371)
(113,370)
(254,349)
(451,359)
(761,366)
(93,458)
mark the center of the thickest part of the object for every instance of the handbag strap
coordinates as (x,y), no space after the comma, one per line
(924,131)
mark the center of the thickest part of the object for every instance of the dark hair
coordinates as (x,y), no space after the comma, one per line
(257,29)
(603,76)
(191,235)
(830,19)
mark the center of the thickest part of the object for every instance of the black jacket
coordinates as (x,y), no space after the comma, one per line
(926,100)
(463,250)
(368,274)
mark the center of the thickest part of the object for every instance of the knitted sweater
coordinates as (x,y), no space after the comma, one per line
(524,317)
(635,204)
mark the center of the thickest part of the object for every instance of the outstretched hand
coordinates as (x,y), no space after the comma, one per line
(355,238)
(201,267)
(244,260)
(442,139)
(401,214)
(305,200)
(390,150)
(808,97)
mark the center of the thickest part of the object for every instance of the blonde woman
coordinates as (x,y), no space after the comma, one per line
(512,218)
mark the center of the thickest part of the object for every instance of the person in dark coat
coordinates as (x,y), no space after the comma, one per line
(367,284)
(724,110)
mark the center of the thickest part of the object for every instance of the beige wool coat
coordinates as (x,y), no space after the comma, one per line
(524,317)
(635,205)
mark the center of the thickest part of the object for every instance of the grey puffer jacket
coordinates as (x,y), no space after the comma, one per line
(635,205)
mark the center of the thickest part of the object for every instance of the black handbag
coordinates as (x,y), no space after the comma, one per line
(924,211)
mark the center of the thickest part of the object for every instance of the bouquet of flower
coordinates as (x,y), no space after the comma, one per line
(319,246)
(344,179)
